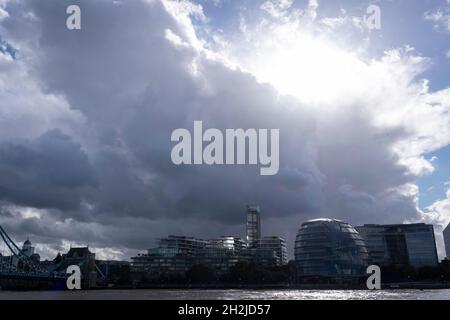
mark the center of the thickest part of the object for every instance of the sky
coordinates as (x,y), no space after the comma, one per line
(86,117)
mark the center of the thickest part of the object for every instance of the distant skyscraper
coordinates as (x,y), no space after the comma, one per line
(447,240)
(400,244)
(27,248)
(253,226)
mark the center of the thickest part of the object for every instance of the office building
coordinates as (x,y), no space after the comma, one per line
(13,261)
(447,240)
(400,244)
(178,254)
(232,244)
(330,248)
(27,248)
(253,226)
(277,245)
(175,245)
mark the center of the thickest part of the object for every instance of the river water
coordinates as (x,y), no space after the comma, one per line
(229,295)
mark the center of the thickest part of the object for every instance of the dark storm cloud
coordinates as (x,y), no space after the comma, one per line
(135,89)
(112,182)
(49,172)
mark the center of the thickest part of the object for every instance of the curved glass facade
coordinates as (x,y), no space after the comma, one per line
(328,248)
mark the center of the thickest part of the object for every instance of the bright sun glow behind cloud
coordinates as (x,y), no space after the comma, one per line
(326,75)
(311,69)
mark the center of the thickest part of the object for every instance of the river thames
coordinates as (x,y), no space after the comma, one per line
(228,295)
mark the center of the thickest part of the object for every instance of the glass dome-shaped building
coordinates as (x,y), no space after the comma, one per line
(330,248)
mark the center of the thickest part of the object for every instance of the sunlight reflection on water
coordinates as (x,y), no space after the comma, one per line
(231,295)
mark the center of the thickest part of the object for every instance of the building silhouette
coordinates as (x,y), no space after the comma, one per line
(274,245)
(330,248)
(400,244)
(447,240)
(85,259)
(253,226)
(176,255)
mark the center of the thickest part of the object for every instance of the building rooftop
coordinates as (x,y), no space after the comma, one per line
(396,225)
(322,220)
(78,252)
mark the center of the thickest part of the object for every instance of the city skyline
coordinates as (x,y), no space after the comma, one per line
(372,236)
(86,117)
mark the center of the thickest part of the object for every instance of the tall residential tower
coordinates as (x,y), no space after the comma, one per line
(253,226)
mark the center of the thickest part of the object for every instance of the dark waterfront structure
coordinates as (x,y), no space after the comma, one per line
(83,258)
(328,248)
(276,245)
(113,273)
(176,255)
(400,245)
(329,253)
(22,268)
